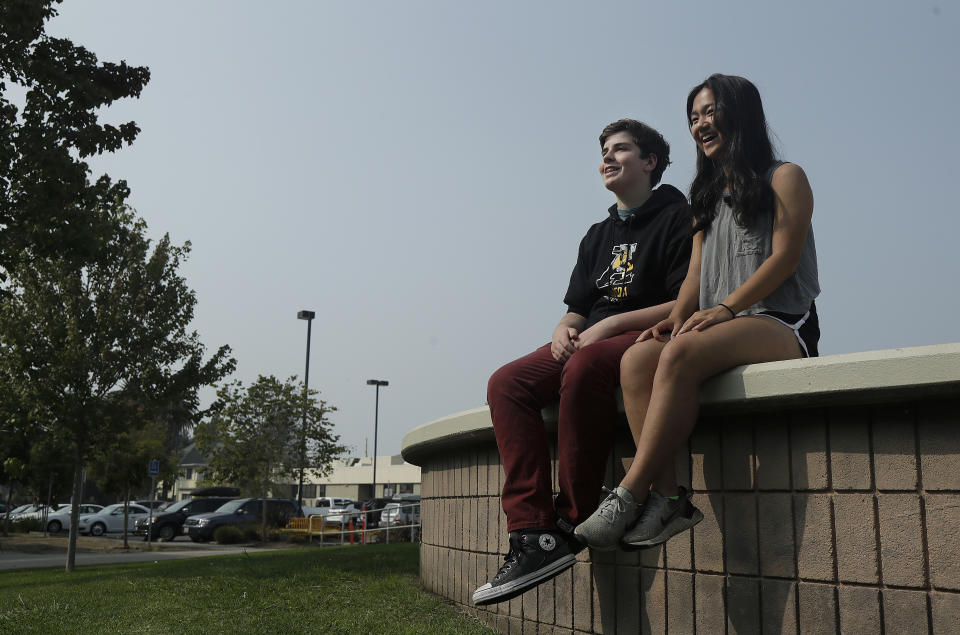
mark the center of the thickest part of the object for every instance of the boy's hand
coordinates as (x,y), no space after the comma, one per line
(599,331)
(564,342)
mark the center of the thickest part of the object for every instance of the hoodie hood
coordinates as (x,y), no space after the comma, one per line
(664,196)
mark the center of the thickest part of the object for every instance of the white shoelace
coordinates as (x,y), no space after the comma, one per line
(612,506)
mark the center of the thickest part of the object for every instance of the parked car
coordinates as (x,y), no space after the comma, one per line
(403,512)
(168,522)
(155,504)
(60,519)
(327,503)
(38,511)
(373,508)
(17,510)
(342,512)
(110,519)
(241,513)
(29,511)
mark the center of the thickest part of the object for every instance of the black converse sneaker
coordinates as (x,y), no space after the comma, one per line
(535,556)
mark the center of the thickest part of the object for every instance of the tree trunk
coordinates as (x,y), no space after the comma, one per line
(263,508)
(46,512)
(126,517)
(74,513)
(6,517)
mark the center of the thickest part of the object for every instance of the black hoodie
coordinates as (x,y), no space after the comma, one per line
(632,264)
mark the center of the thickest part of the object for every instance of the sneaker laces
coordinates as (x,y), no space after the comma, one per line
(509,560)
(612,506)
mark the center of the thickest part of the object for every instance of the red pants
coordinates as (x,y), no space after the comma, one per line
(516,394)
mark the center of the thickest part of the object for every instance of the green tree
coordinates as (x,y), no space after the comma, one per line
(52,93)
(257,433)
(99,348)
(13,470)
(120,466)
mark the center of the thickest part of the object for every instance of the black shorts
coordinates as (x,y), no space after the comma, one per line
(809,331)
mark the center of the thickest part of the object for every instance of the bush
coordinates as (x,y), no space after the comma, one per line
(228,535)
(29,524)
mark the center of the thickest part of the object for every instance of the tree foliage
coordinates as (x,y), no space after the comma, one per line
(52,93)
(93,350)
(257,434)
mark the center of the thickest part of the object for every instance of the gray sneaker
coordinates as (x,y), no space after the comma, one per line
(604,528)
(662,518)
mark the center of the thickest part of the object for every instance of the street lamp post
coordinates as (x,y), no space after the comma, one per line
(376,412)
(308,316)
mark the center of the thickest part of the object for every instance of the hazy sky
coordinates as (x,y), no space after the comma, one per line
(420,173)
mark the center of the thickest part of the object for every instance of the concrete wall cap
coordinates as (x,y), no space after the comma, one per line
(885,375)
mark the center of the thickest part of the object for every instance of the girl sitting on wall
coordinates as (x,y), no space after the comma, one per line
(748,297)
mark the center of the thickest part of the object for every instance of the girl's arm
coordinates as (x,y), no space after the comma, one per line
(791,222)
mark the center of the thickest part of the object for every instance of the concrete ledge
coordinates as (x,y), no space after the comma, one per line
(854,378)
(830,493)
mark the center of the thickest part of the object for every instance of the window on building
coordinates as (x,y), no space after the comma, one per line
(188,474)
(404,488)
(321,490)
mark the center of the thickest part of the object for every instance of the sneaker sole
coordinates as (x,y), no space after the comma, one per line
(514,588)
(672,528)
(586,543)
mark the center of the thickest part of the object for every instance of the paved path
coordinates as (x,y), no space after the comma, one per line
(10,560)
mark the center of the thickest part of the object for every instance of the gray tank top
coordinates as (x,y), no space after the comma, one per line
(731,254)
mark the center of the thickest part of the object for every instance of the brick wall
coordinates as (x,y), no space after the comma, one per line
(832,519)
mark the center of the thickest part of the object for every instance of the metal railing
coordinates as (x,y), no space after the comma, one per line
(316,525)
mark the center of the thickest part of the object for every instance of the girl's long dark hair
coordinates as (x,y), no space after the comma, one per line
(746,154)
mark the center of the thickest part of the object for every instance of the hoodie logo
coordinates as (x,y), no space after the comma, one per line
(620,271)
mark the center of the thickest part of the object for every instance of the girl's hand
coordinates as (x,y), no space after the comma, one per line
(702,320)
(663,330)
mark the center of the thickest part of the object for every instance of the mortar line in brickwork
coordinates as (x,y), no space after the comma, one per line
(793,519)
(692,543)
(828,429)
(876,509)
(864,585)
(754,468)
(723,533)
(921,495)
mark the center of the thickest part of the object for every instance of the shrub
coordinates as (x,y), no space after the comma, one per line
(228,535)
(28,524)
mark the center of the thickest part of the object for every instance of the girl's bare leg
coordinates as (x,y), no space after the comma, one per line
(684,363)
(638,367)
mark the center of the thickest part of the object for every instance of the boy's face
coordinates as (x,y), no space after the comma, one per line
(622,168)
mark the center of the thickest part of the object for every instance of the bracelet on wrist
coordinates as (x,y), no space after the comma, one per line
(732,314)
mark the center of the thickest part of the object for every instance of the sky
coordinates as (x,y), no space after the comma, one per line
(420,174)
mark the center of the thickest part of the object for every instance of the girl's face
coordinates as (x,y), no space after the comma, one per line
(703,126)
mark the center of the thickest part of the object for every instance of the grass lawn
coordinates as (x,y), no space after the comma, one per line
(356,590)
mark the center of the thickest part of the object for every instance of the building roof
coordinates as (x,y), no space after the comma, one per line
(353,470)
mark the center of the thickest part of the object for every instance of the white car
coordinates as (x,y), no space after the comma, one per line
(37,511)
(400,513)
(110,519)
(60,519)
(16,511)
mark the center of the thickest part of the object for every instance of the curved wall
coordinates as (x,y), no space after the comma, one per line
(831,497)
